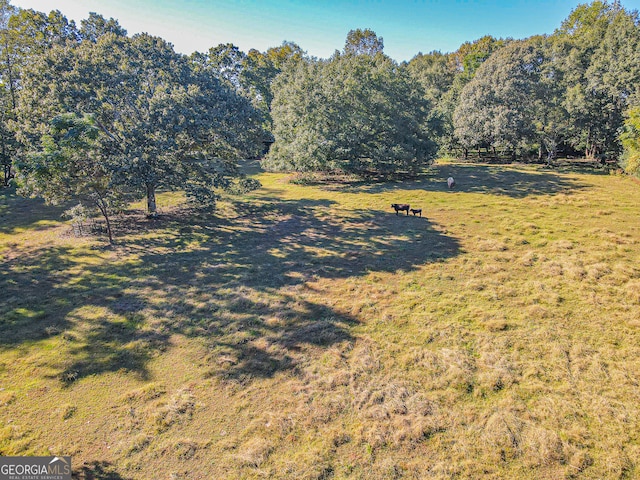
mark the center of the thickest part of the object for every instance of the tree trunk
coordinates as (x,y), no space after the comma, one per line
(590,149)
(466,153)
(151,201)
(109,233)
(5,166)
(105,213)
(551,154)
(7,174)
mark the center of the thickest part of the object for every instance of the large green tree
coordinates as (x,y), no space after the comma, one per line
(250,75)
(547,93)
(443,76)
(225,62)
(96,25)
(631,142)
(23,35)
(363,42)
(601,65)
(7,93)
(436,72)
(166,124)
(356,112)
(71,166)
(496,107)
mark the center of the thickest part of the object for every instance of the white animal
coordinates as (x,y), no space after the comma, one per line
(451,182)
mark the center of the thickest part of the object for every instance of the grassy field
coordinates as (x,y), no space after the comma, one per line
(308,332)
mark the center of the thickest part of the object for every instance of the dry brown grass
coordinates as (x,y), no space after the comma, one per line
(305,331)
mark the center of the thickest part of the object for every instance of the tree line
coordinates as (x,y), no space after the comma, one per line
(92,114)
(575,92)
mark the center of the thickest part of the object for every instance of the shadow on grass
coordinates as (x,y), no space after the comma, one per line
(240,286)
(97,471)
(97,323)
(20,213)
(496,180)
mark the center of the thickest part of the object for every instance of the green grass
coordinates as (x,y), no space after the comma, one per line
(309,332)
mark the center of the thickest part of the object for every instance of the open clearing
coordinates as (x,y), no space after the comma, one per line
(309,332)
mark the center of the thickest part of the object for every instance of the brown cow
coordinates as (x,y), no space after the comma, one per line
(416,211)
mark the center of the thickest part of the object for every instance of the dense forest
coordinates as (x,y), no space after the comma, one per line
(92,114)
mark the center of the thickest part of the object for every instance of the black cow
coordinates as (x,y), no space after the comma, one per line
(400,207)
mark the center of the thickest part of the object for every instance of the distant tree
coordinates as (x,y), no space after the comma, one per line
(355,113)
(601,70)
(286,54)
(549,114)
(8,144)
(571,88)
(250,74)
(225,62)
(96,25)
(262,68)
(471,123)
(258,75)
(443,76)
(615,64)
(631,142)
(296,112)
(32,33)
(436,72)
(498,106)
(363,42)
(470,55)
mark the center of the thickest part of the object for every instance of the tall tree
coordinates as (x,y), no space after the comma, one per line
(286,54)
(167,124)
(96,25)
(549,114)
(444,76)
(226,62)
(631,142)
(71,166)
(23,34)
(470,55)
(436,72)
(7,93)
(363,42)
(250,74)
(600,66)
(498,106)
(258,75)
(355,112)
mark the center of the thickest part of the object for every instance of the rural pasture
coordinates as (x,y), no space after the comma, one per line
(306,331)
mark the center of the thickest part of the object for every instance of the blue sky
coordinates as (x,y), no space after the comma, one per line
(320,27)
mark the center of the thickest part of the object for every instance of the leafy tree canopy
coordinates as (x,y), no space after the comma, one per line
(631,142)
(363,42)
(355,113)
(162,122)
